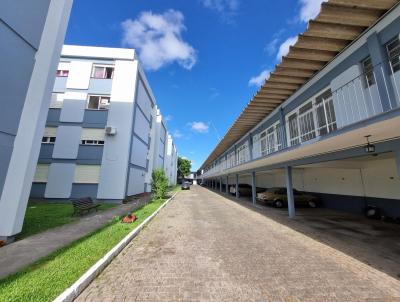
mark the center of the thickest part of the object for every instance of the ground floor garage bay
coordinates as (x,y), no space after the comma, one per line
(349,185)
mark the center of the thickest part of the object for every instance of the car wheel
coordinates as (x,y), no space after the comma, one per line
(312,204)
(278,203)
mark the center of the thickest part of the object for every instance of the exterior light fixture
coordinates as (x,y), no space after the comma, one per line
(369,148)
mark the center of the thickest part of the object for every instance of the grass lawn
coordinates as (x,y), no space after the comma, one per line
(50,276)
(175,188)
(41,216)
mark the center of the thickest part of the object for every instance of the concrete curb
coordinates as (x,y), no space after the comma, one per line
(76,289)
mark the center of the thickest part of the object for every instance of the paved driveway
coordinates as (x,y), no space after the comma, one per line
(203,247)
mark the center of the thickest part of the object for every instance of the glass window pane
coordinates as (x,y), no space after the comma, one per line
(93,102)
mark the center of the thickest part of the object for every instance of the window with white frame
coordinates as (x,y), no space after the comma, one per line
(242,154)
(62,69)
(102,72)
(393,49)
(368,69)
(92,136)
(48,140)
(57,99)
(62,73)
(278,136)
(231,160)
(49,135)
(92,142)
(98,102)
(263,142)
(271,139)
(293,127)
(306,122)
(325,111)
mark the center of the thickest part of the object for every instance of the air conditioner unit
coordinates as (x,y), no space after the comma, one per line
(111,130)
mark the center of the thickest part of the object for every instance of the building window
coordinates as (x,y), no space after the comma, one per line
(293,129)
(368,70)
(92,142)
(98,102)
(102,72)
(306,122)
(48,140)
(393,49)
(62,73)
(242,154)
(57,99)
(326,117)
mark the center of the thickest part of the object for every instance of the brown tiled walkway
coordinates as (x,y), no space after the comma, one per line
(203,247)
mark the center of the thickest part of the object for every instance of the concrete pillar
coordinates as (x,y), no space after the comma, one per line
(237,185)
(220,184)
(253,187)
(381,69)
(398,162)
(227,185)
(289,188)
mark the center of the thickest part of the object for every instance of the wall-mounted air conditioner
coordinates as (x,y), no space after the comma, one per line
(111,130)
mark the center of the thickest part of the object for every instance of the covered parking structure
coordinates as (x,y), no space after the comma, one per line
(327,120)
(349,180)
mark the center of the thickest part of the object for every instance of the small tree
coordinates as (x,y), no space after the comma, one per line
(184,167)
(159,184)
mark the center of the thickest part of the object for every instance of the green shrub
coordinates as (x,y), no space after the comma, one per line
(159,184)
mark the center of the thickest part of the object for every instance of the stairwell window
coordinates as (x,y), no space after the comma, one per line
(102,72)
(98,102)
(368,69)
(393,49)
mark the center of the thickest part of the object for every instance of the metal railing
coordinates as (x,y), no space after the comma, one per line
(364,96)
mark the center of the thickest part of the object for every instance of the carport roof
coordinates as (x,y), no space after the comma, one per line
(339,23)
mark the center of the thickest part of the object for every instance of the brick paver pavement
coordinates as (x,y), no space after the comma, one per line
(203,247)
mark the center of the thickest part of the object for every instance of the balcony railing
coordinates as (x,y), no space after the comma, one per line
(362,97)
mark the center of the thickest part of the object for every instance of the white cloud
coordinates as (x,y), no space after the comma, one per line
(260,79)
(199,127)
(284,48)
(177,134)
(226,8)
(309,9)
(272,46)
(158,39)
(168,118)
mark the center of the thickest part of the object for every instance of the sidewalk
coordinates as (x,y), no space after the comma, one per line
(20,254)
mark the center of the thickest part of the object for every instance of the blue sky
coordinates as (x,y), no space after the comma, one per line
(204,59)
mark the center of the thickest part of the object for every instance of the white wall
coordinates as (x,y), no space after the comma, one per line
(22,166)
(375,178)
(115,161)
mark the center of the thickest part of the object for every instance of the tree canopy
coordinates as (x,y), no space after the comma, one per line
(184,167)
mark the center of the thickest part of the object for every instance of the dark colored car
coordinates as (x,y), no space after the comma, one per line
(278,198)
(244,190)
(185,185)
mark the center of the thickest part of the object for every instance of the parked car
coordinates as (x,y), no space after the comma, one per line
(278,198)
(244,190)
(185,185)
